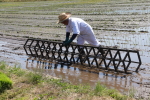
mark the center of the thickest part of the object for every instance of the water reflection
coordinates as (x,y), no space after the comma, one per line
(78,74)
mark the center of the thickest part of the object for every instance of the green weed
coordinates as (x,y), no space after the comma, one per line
(101,90)
(2,65)
(16,70)
(34,78)
(132,92)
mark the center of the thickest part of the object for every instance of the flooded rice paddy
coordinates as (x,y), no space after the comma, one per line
(125,24)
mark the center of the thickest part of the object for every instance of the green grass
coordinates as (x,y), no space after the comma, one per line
(2,65)
(101,90)
(36,86)
(34,78)
(15,70)
(10,4)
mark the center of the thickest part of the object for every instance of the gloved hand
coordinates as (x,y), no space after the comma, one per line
(68,42)
(67,38)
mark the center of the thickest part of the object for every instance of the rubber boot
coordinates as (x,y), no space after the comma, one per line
(101,50)
(81,51)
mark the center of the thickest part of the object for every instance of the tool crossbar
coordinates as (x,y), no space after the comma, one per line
(118,60)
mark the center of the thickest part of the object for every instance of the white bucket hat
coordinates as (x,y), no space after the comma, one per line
(63,16)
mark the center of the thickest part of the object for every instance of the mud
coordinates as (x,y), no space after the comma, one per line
(123,24)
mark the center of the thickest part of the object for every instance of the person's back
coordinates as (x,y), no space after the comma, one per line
(79,20)
(77,26)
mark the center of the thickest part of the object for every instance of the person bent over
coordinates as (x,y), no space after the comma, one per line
(80,29)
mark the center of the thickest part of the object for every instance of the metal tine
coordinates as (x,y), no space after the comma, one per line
(125,67)
(42,48)
(36,48)
(28,46)
(104,57)
(81,49)
(45,47)
(86,56)
(114,60)
(31,48)
(60,51)
(73,53)
(96,55)
(140,62)
(48,50)
(66,53)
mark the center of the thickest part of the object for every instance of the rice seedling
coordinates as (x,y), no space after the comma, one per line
(5,82)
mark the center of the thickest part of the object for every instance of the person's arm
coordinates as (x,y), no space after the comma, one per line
(75,27)
(71,39)
(67,36)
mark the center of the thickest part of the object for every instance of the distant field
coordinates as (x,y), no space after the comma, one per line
(52,0)
(24,0)
(89,1)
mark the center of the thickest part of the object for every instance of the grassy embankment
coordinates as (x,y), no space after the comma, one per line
(28,85)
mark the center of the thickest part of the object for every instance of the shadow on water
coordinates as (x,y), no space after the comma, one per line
(78,74)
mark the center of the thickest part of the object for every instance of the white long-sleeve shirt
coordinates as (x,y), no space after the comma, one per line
(84,31)
(77,26)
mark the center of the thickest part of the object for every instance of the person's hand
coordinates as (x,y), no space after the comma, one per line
(67,43)
(66,40)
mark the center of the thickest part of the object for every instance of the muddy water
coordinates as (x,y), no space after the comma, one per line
(78,74)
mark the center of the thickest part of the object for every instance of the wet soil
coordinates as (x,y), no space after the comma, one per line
(123,24)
